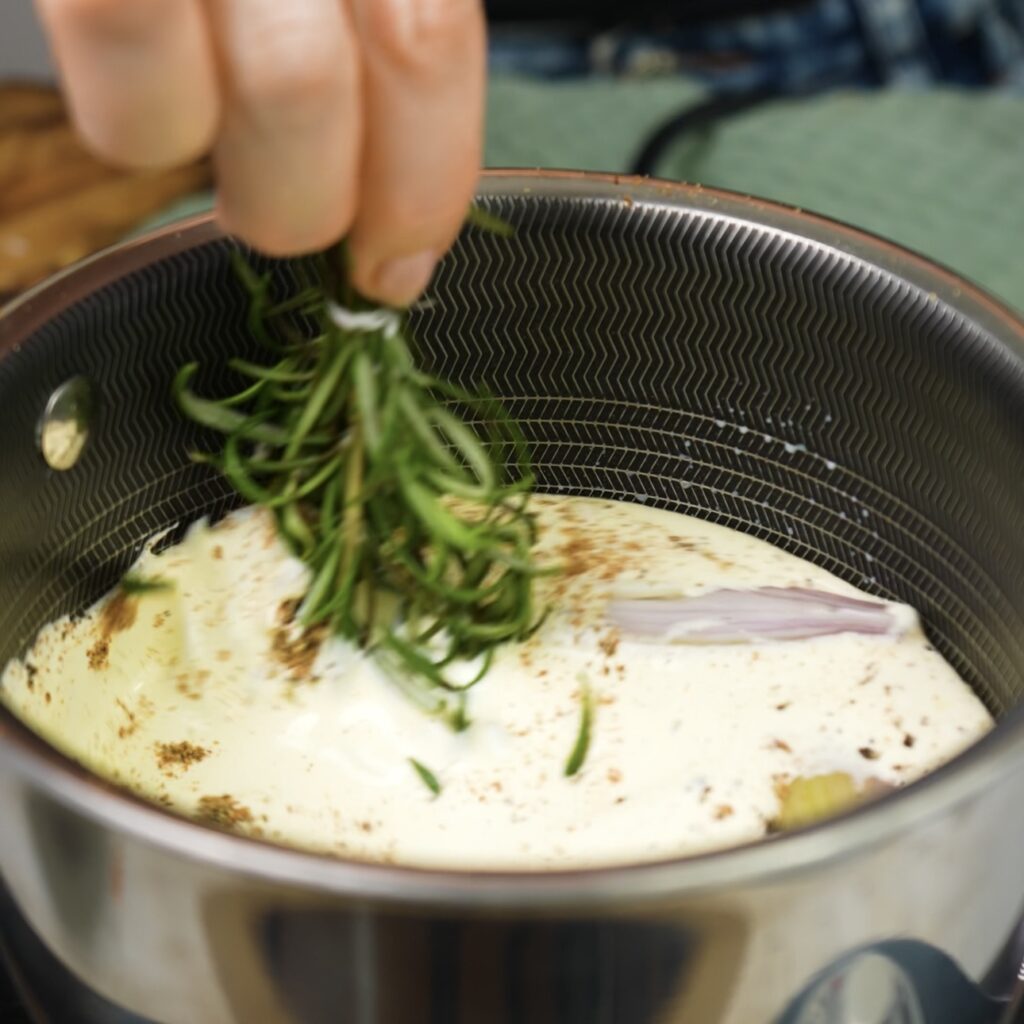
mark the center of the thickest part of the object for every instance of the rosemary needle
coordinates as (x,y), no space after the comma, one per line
(131,584)
(480,218)
(582,744)
(428,777)
(406,497)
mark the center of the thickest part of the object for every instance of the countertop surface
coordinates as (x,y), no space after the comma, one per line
(57,203)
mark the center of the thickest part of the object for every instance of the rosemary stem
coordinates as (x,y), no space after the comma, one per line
(351,524)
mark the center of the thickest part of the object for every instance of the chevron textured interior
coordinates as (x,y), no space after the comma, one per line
(667,355)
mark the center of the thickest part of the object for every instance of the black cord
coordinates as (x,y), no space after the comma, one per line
(708,112)
(701,115)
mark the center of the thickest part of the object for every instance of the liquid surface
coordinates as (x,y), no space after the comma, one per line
(205,698)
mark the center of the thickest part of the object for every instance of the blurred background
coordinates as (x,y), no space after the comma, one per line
(905,117)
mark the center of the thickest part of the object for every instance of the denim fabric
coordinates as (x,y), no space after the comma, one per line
(827,43)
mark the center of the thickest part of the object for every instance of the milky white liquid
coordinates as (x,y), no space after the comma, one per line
(689,744)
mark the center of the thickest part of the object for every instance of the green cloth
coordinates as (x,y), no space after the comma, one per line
(939,171)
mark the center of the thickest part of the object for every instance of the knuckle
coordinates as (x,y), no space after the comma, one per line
(418,32)
(287,63)
(288,84)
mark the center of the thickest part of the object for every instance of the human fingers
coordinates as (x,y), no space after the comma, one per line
(139,76)
(424,67)
(288,151)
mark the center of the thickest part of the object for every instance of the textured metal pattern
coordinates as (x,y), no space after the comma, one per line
(728,371)
(675,356)
(65,537)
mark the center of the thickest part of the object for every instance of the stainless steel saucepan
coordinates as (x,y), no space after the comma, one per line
(713,354)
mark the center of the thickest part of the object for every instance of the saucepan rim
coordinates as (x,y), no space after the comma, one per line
(996,756)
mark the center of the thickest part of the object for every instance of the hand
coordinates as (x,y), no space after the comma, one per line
(324,117)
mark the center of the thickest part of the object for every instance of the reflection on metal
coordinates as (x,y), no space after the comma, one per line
(64,426)
(870,989)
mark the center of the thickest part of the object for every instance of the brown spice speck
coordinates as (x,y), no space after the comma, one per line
(118,614)
(782,745)
(576,554)
(287,610)
(224,812)
(182,686)
(682,542)
(723,811)
(133,723)
(179,755)
(609,643)
(909,740)
(869,675)
(218,552)
(614,775)
(296,651)
(99,654)
(869,753)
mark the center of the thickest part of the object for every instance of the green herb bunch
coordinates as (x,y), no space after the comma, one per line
(405,496)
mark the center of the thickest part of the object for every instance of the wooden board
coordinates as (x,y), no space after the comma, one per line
(58,203)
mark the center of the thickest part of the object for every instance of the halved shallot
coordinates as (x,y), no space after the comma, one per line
(746,616)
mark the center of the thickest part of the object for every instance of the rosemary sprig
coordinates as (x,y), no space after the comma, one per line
(405,496)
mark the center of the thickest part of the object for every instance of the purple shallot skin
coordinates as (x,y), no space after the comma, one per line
(732,616)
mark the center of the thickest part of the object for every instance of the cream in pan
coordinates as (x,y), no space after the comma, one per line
(206,697)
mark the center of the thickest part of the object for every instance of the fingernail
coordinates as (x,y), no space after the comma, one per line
(400,281)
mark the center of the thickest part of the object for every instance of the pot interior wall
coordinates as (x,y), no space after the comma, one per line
(672,356)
